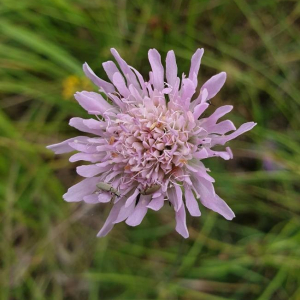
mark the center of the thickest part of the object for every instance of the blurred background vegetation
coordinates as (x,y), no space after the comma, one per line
(49,249)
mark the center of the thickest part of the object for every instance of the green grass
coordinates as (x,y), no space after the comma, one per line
(49,248)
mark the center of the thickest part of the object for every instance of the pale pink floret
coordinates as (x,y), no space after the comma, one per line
(149,141)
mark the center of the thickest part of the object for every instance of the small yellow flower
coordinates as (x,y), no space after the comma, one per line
(74,83)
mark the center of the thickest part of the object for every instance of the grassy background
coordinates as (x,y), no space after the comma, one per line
(48,247)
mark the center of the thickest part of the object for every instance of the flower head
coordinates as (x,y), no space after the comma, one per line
(149,141)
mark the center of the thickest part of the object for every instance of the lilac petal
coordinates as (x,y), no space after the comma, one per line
(157,69)
(79,124)
(243,128)
(194,165)
(210,200)
(112,175)
(149,86)
(181,227)
(188,90)
(198,167)
(174,197)
(141,81)
(81,189)
(85,147)
(91,199)
(222,127)
(104,197)
(171,68)
(203,96)
(179,195)
(108,225)
(104,164)
(204,188)
(201,99)
(214,84)
(132,198)
(106,86)
(94,124)
(64,146)
(125,212)
(110,68)
(195,65)
(139,212)
(166,91)
(91,170)
(199,109)
(117,101)
(202,173)
(220,206)
(187,180)
(201,154)
(130,76)
(156,203)
(191,203)
(218,113)
(93,103)
(223,154)
(228,149)
(119,83)
(86,156)
(135,93)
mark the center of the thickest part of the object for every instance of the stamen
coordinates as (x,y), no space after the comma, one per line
(153,126)
(111,140)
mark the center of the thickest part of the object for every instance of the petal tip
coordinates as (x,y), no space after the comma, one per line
(65,197)
(231,217)
(100,234)
(200,50)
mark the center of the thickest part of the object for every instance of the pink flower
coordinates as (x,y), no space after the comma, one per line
(149,142)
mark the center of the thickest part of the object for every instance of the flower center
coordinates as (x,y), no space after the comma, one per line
(151,143)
